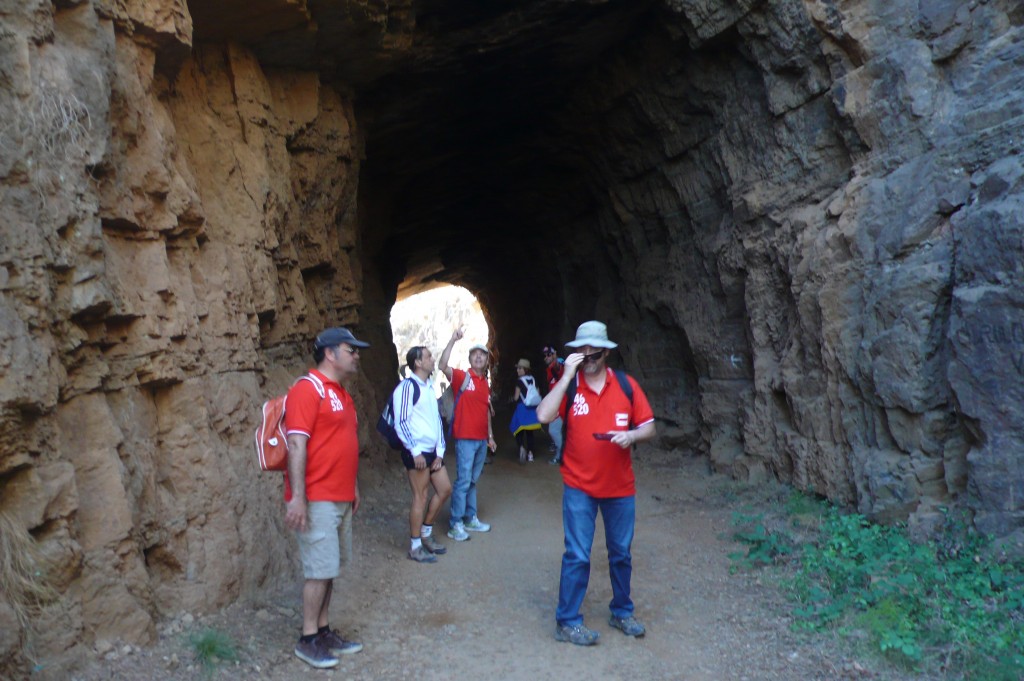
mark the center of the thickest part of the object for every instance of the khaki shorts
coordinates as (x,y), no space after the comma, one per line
(326,544)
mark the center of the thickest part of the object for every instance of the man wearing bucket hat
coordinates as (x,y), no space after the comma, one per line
(605,413)
(321,490)
(473,435)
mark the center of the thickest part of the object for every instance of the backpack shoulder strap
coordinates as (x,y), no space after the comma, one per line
(317,383)
(627,388)
(624,383)
(415,391)
(570,396)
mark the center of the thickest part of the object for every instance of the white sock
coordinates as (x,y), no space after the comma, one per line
(426,530)
(416,543)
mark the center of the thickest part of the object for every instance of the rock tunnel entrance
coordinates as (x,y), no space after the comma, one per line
(726,184)
(800,219)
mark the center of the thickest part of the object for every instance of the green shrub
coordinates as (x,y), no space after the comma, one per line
(945,604)
(211,646)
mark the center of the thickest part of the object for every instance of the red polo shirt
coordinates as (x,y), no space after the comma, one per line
(598,467)
(473,409)
(332,451)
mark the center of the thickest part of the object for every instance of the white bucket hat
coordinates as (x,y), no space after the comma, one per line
(594,334)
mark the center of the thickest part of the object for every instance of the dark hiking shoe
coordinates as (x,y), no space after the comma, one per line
(434,546)
(421,555)
(315,653)
(630,626)
(576,633)
(337,645)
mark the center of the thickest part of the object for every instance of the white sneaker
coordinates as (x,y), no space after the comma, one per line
(458,533)
(475,525)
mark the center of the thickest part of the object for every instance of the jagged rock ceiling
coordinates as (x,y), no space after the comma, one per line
(460,102)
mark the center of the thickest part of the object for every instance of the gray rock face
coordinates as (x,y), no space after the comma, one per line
(801,220)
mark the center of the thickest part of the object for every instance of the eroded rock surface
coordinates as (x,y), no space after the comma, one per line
(801,220)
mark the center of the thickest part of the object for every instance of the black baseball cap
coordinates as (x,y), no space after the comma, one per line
(328,338)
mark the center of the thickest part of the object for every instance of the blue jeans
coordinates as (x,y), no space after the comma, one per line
(555,431)
(579,512)
(469,459)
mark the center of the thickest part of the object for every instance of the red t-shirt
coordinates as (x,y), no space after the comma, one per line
(554,371)
(473,409)
(599,467)
(332,451)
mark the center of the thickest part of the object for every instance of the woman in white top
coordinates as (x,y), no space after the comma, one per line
(524,419)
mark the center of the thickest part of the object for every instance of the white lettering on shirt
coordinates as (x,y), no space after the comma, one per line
(336,404)
(621,420)
(580,406)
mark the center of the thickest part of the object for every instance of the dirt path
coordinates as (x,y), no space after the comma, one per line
(486,609)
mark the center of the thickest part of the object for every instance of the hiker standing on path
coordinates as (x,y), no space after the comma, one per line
(321,489)
(524,419)
(418,424)
(472,432)
(553,365)
(605,414)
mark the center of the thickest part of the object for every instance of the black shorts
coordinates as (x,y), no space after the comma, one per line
(411,465)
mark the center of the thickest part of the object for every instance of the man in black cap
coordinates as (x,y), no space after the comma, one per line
(321,490)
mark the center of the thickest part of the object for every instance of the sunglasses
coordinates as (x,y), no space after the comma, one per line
(594,356)
(548,354)
(351,351)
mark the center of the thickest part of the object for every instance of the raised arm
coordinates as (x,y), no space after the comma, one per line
(547,410)
(442,364)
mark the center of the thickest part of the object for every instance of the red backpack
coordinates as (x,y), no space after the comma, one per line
(271,440)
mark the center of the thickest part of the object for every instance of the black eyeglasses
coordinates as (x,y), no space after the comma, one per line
(594,356)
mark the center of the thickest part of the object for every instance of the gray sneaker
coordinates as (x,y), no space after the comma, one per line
(475,525)
(434,546)
(576,633)
(337,645)
(315,653)
(630,626)
(421,555)
(458,533)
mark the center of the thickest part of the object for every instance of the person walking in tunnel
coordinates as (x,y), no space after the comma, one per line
(605,414)
(473,434)
(554,366)
(418,424)
(524,418)
(321,487)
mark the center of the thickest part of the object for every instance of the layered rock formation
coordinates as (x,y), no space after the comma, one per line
(800,218)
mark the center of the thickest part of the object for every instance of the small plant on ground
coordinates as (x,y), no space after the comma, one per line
(764,547)
(211,647)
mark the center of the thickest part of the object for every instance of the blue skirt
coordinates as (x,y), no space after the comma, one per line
(524,418)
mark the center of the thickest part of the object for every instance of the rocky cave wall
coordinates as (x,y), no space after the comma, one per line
(801,219)
(169,246)
(808,206)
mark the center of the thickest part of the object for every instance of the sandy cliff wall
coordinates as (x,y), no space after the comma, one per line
(176,225)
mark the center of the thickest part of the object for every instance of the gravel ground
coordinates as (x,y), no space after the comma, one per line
(486,609)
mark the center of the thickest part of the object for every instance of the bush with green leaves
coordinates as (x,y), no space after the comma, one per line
(951,603)
(211,647)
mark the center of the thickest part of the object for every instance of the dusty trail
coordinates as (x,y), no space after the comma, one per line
(486,609)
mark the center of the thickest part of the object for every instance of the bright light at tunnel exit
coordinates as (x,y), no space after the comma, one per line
(429,318)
